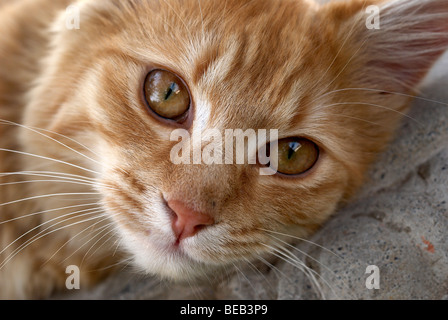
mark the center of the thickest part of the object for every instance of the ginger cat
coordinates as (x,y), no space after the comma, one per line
(87,111)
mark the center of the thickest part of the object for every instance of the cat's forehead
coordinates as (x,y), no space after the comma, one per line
(243,57)
(246,62)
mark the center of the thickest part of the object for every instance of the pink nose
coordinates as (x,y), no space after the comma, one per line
(187,222)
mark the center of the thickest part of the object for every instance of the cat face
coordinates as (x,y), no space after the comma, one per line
(284,65)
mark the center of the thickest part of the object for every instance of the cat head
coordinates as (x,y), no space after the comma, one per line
(331,85)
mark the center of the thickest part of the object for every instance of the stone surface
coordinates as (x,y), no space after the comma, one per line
(399,223)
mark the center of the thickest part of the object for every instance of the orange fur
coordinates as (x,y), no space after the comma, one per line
(289,65)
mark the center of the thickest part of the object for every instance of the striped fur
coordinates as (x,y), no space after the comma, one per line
(290,65)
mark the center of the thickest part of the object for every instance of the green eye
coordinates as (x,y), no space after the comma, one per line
(166,94)
(295,156)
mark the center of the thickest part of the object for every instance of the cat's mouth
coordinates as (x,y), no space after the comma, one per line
(171,258)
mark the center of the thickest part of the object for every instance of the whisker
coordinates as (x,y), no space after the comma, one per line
(228,273)
(47,211)
(57,141)
(128,260)
(109,225)
(106,227)
(55,174)
(347,63)
(271,232)
(49,159)
(244,276)
(118,242)
(311,273)
(81,232)
(195,289)
(33,239)
(289,258)
(310,257)
(302,252)
(60,175)
(89,211)
(71,239)
(359,119)
(253,267)
(36,181)
(302,239)
(379,91)
(206,275)
(48,196)
(271,266)
(349,34)
(370,104)
(127,264)
(92,182)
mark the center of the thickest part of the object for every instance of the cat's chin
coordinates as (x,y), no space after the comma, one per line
(170,261)
(177,267)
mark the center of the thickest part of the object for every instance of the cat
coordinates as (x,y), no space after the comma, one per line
(91,91)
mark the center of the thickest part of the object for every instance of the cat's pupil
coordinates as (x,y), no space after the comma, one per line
(293,148)
(172,89)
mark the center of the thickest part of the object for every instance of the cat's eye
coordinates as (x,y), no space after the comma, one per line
(166,94)
(294,156)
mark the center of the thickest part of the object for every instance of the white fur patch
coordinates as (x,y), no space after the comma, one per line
(202,114)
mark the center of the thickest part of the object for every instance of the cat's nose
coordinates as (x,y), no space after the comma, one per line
(187,222)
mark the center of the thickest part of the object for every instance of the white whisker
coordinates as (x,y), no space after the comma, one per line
(78,234)
(98,232)
(271,266)
(346,64)
(244,276)
(118,242)
(84,212)
(253,267)
(370,104)
(311,273)
(302,252)
(348,36)
(57,141)
(104,242)
(49,159)
(359,119)
(66,179)
(34,239)
(41,181)
(285,255)
(54,174)
(302,239)
(49,196)
(50,210)
(379,91)
(308,256)
(122,261)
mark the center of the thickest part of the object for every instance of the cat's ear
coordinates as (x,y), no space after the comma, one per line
(400,40)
